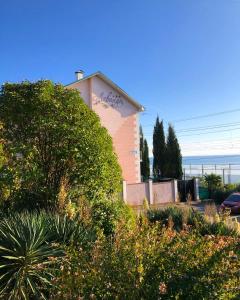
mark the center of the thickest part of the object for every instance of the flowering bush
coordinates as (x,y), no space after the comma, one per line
(151,261)
(56,257)
(106,214)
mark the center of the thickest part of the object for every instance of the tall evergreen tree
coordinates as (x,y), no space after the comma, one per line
(159,150)
(145,167)
(141,141)
(144,156)
(173,155)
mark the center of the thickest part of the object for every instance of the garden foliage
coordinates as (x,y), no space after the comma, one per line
(51,256)
(182,217)
(57,162)
(31,249)
(152,262)
(51,139)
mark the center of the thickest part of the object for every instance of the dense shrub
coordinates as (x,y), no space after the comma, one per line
(106,215)
(51,256)
(152,262)
(51,139)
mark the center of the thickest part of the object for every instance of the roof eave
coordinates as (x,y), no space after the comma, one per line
(114,85)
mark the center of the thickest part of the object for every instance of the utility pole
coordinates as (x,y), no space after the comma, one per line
(185,192)
(229,174)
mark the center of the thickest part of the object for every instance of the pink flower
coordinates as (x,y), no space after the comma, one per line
(162,288)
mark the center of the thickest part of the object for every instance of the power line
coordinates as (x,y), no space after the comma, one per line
(223,141)
(193,141)
(209,127)
(206,116)
(221,125)
(210,132)
(200,116)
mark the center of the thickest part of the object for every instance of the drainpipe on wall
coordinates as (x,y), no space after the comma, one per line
(124,191)
(196,189)
(150,189)
(175,190)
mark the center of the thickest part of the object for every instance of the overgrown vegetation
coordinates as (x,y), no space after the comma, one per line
(154,261)
(178,254)
(207,224)
(51,143)
(64,234)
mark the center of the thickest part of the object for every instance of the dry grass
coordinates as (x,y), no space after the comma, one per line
(210,209)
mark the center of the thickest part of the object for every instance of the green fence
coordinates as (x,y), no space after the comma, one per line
(203,193)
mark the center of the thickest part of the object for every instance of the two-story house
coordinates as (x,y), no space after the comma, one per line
(118,112)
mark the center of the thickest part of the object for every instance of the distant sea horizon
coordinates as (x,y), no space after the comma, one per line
(211,159)
(227,166)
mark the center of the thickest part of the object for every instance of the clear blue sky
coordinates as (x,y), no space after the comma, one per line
(178,58)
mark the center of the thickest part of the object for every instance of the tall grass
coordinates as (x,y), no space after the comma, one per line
(181,217)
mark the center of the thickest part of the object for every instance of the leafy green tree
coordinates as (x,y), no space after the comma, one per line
(144,156)
(173,155)
(159,150)
(51,137)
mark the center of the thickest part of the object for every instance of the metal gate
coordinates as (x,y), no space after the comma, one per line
(185,188)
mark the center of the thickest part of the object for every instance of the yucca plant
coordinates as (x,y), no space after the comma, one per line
(26,258)
(66,231)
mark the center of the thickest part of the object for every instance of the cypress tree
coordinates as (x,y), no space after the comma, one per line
(159,150)
(141,142)
(145,170)
(173,155)
(144,156)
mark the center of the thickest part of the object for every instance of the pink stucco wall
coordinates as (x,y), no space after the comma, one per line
(84,90)
(163,192)
(120,117)
(136,193)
